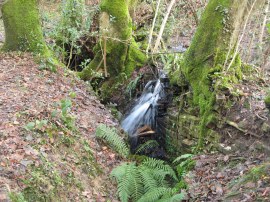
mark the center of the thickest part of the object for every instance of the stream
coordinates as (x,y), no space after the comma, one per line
(146,117)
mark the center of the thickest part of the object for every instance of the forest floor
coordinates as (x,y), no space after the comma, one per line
(44,154)
(47,135)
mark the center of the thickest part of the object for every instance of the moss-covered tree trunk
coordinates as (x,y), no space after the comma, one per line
(212,46)
(117,53)
(22,27)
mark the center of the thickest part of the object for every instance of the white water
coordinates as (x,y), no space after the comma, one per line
(145,110)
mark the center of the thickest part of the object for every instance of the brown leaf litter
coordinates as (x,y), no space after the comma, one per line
(28,94)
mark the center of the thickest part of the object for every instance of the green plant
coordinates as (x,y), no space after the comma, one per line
(17,197)
(37,125)
(113,139)
(74,24)
(149,181)
(184,163)
(146,146)
(47,63)
(43,184)
(131,87)
(66,117)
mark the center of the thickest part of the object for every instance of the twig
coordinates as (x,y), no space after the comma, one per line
(100,63)
(233,124)
(229,134)
(70,54)
(104,57)
(152,28)
(241,37)
(163,25)
(264,21)
(262,117)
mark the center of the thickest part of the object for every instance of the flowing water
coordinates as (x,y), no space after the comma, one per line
(146,109)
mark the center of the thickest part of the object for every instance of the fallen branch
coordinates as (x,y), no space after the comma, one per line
(246,132)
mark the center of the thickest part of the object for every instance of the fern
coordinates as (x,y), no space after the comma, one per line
(146,182)
(113,139)
(159,164)
(136,186)
(129,183)
(182,157)
(184,163)
(147,145)
(155,194)
(119,172)
(174,198)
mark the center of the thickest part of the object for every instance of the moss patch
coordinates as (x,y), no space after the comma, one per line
(267,101)
(122,52)
(205,59)
(22,27)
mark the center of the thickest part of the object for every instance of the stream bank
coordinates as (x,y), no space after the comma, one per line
(47,135)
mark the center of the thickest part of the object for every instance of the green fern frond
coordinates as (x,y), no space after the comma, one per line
(124,186)
(159,164)
(148,180)
(136,185)
(129,182)
(153,176)
(147,145)
(113,139)
(160,176)
(171,192)
(119,172)
(154,194)
(182,157)
(174,198)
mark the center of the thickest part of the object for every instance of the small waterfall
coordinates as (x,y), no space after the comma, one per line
(147,109)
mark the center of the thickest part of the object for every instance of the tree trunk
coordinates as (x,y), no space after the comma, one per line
(210,53)
(117,53)
(22,27)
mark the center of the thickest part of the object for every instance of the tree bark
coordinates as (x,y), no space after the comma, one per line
(210,52)
(22,27)
(122,53)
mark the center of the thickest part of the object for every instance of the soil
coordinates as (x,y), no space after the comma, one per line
(28,94)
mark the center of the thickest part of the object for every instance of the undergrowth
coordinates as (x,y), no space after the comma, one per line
(146,179)
(46,180)
(66,29)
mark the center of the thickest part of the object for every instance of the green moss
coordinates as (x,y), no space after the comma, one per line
(135,58)
(119,15)
(22,27)
(204,62)
(122,52)
(267,100)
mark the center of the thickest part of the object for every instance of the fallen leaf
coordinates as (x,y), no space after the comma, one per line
(219,189)
(226,158)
